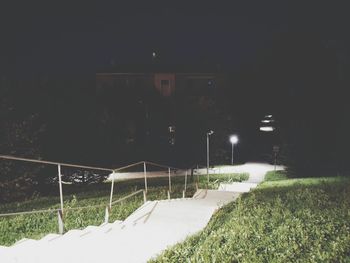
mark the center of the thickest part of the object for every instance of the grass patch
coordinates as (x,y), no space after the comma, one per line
(216,179)
(297,220)
(14,228)
(276,176)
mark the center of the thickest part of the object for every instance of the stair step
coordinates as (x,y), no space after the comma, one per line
(24,243)
(71,234)
(50,237)
(2,248)
(200,194)
(102,229)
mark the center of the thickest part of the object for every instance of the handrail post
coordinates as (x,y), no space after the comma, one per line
(169,180)
(60,222)
(60,186)
(144,196)
(207,160)
(107,212)
(145,174)
(185,180)
(111,195)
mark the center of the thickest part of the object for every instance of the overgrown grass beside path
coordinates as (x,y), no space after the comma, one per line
(296,220)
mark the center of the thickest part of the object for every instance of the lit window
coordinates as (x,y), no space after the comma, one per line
(165,87)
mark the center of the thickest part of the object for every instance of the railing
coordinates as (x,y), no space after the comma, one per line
(7,157)
(145,176)
(61,211)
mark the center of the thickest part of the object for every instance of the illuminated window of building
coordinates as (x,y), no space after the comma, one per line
(165,87)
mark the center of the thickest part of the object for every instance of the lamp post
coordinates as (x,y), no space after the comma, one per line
(208,134)
(233,140)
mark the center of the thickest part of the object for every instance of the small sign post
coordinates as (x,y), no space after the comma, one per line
(275,149)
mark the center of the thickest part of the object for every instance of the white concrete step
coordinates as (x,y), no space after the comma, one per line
(24,242)
(88,230)
(49,237)
(199,194)
(70,234)
(23,247)
(3,249)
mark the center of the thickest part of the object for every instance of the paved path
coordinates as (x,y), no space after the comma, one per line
(143,235)
(147,232)
(256,171)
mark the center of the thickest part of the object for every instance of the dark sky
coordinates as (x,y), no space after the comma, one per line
(56,37)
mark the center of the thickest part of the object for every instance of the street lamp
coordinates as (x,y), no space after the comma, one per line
(208,134)
(233,140)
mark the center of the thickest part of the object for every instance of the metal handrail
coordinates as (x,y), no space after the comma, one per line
(145,175)
(127,196)
(8,157)
(58,164)
(70,208)
(162,166)
(127,166)
(29,212)
(147,162)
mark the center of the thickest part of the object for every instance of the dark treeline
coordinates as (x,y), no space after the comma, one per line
(302,80)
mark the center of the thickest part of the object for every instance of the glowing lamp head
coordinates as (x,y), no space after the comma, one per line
(234,139)
(210,132)
(267,128)
(267,121)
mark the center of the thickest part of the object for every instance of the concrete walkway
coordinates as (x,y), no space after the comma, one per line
(143,235)
(256,171)
(147,232)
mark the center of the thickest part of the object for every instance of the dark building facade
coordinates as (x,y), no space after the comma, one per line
(165,83)
(151,107)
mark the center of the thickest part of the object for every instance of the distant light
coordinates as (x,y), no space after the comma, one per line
(267,121)
(154,54)
(267,128)
(234,139)
(268,116)
(113,176)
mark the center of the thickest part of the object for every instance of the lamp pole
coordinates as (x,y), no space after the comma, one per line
(208,134)
(232,155)
(233,140)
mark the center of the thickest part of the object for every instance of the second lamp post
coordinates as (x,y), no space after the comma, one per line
(233,140)
(208,134)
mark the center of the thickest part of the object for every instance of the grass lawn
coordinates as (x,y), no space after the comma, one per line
(14,228)
(276,176)
(286,220)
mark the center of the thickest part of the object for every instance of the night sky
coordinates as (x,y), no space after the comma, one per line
(286,58)
(46,37)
